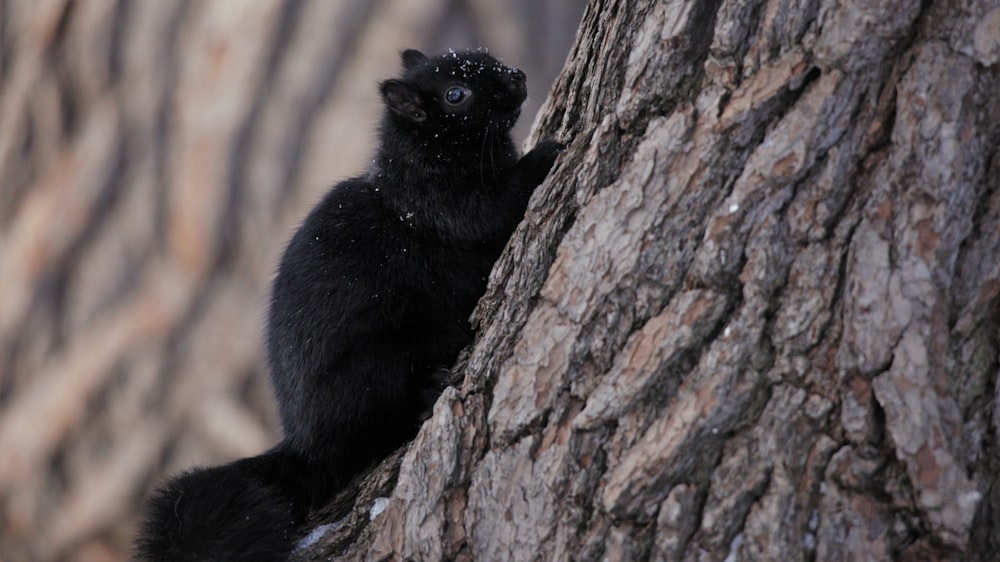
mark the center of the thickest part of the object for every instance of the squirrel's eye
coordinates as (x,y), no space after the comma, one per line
(456,95)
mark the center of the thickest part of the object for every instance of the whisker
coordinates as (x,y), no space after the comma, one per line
(482,156)
(493,140)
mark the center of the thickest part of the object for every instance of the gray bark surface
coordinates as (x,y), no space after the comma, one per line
(753,314)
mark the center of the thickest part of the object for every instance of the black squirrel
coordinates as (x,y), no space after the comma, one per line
(370,305)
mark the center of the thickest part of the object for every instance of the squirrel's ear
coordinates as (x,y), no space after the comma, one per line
(402,100)
(412,58)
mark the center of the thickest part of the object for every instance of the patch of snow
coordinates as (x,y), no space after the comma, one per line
(378,506)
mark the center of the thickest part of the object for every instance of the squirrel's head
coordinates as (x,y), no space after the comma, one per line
(459,96)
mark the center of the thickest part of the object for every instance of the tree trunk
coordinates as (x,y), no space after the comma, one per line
(155,156)
(752,314)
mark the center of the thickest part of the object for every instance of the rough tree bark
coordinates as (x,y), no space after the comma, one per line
(753,313)
(154,157)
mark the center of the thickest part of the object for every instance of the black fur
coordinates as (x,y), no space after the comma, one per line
(371,301)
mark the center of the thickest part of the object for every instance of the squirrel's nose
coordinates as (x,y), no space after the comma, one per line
(516,83)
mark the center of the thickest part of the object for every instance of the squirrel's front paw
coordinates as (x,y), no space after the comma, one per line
(546,152)
(438,380)
(539,161)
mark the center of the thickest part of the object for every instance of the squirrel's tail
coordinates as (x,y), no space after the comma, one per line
(241,511)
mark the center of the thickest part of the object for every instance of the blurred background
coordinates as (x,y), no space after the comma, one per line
(154,159)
